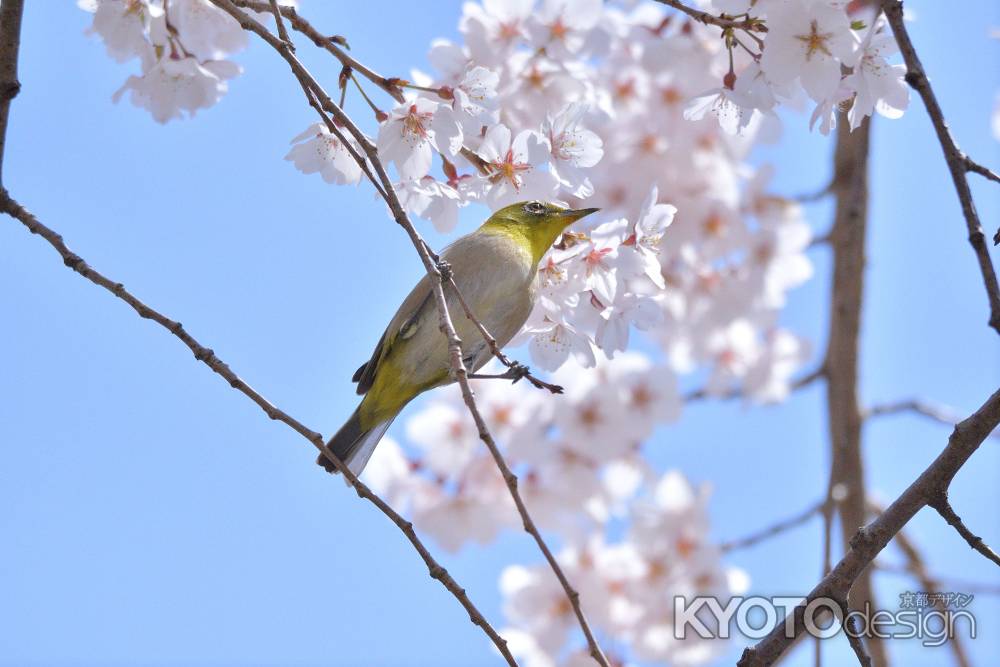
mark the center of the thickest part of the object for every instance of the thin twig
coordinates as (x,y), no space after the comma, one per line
(940,503)
(854,635)
(916,568)
(958,162)
(280,23)
(454,343)
(918,406)
(322,41)
(817,373)
(749,24)
(975,167)
(775,529)
(210,359)
(968,435)
(516,370)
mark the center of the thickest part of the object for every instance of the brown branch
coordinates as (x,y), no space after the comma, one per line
(812,376)
(975,167)
(968,435)
(209,358)
(749,24)
(944,508)
(444,318)
(515,369)
(854,635)
(847,240)
(775,529)
(280,24)
(918,406)
(333,46)
(11,12)
(322,41)
(958,162)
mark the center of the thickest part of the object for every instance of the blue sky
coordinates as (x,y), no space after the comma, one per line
(153,516)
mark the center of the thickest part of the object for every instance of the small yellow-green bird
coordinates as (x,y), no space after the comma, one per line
(495,268)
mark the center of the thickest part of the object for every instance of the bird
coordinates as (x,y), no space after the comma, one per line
(495,269)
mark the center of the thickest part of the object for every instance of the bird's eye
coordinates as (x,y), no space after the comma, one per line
(534,207)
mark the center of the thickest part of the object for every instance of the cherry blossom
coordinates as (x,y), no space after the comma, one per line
(878,85)
(572,147)
(122,24)
(172,86)
(808,40)
(514,166)
(317,150)
(414,131)
(208,32)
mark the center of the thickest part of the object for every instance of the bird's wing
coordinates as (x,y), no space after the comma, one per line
(401,327)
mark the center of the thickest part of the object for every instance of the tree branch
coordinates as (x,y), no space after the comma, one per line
(944,508)
(958,162)
(748,24)
(847,240)
(444,318)
(775,529)
(918,406)
(812,376)
(11,12)
(968,435)
(915,566)
(208,357)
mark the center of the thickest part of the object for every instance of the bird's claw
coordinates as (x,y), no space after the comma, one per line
(444,268)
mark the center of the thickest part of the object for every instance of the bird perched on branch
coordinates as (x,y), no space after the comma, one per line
(494,268)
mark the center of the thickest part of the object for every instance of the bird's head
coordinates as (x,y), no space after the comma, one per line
(537,224)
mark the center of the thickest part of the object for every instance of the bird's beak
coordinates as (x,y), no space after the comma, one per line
(569,216)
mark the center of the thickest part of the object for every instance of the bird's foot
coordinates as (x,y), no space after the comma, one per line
(444,268)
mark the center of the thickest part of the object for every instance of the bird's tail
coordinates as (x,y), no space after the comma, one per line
(353,445)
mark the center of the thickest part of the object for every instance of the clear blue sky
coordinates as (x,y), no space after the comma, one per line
(151,515)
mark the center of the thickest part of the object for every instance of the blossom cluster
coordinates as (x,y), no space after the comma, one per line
(634,538)
(831,51)
(182,48)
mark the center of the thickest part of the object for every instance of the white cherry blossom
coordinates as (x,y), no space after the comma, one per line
(878,85)
(414,131)
(173,86)
(317,150)
(572,147)
(808,40)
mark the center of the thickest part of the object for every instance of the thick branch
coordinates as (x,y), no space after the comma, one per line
(11,12)
(444,318)
(209,358)
(968,435)
(958,162)
(847,239)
